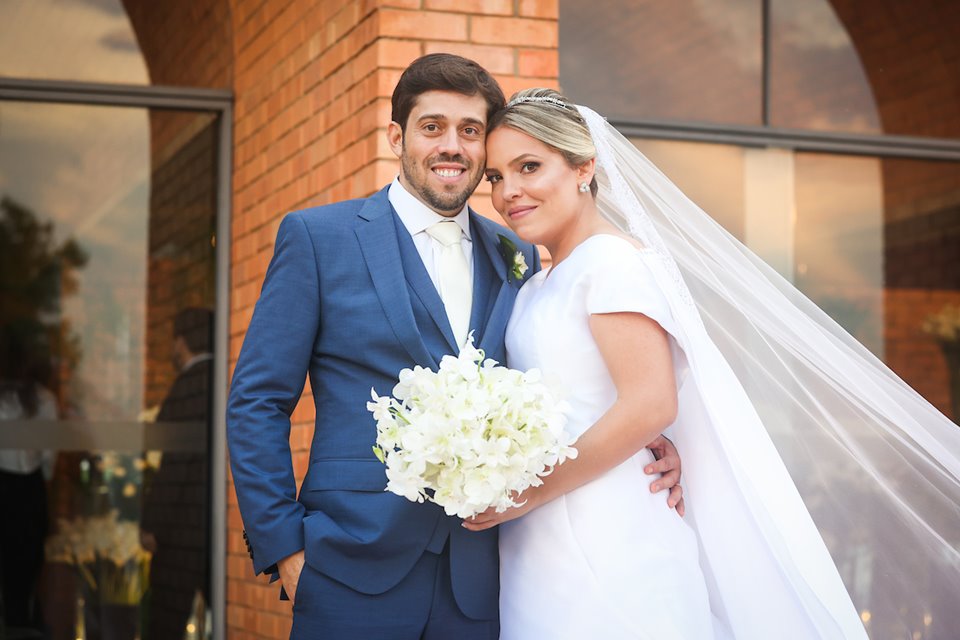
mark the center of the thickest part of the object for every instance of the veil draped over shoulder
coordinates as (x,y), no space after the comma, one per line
(845,480)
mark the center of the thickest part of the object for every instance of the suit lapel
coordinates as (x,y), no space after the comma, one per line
(502,291)
(486,284)
(380,246)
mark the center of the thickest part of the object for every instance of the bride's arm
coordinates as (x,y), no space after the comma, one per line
(636,351)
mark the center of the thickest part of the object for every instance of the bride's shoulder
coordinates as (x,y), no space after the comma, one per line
(607,250)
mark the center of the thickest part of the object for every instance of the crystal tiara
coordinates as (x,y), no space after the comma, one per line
(549,99)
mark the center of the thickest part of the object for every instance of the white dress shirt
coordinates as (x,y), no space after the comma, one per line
(416,217)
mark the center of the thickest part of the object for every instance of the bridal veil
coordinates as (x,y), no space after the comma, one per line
(794,431)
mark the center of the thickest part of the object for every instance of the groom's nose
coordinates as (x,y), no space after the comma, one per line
(449,142)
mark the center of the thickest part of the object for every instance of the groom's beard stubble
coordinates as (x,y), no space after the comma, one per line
(449,201)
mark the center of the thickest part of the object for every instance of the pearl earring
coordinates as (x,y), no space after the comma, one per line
(584,187)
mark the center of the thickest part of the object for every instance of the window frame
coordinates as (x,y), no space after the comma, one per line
(220,102)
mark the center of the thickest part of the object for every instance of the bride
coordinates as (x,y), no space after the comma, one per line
(652,318)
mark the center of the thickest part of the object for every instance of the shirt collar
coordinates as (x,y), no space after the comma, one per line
(416,216)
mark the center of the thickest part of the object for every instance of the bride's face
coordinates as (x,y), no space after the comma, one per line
(533,186)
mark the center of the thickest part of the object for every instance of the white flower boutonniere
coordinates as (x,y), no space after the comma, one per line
(519,266)
(516,262)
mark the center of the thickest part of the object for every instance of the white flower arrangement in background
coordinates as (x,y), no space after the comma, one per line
(107,554)
(470,436)
(944,325)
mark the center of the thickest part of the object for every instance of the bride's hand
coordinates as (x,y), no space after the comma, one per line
(490,517)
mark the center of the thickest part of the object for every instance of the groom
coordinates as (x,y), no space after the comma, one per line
(357,291)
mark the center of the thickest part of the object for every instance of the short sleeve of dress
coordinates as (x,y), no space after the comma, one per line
(620,280)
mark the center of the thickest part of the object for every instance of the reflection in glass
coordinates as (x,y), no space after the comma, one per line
(107,272)
(694,60)
(839,241)
(873,242)
(69,40)
(851,67)
(817,78)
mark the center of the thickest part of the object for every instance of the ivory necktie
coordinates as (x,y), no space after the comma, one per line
(456,285)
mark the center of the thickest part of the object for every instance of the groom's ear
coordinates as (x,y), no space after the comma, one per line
(395,138)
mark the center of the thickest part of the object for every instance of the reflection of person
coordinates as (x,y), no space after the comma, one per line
(613,319)
(356,292)
(23,490)
(175,508)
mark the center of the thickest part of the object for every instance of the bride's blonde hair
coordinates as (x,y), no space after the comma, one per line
(547,116)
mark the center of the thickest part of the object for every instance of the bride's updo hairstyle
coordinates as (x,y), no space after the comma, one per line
(547,116)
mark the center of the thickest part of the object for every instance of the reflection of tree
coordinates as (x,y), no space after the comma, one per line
(36,273)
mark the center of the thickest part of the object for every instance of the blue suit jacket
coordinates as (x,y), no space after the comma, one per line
(347,301)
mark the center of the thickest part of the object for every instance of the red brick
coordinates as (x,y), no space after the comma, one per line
(400,4)
(493,58)
(543,63)
(397,54)
(515,31)
(512,84)
(422,25)
(539,8)
(476,7)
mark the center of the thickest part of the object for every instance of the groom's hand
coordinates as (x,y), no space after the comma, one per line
(668,464)
(290,569)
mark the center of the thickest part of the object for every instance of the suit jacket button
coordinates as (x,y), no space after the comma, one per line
(246,541)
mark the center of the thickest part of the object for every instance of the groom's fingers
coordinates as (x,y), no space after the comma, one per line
(675,499)
(660,466)
(670,477)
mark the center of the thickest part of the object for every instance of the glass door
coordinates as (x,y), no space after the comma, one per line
(108,219)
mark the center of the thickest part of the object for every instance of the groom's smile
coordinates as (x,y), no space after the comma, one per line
(441,149)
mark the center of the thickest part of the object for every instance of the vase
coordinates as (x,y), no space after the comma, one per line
(111,621)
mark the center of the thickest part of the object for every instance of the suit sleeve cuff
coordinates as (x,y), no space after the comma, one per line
(283,542)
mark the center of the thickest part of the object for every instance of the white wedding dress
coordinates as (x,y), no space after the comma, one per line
(610,559)
(754,358)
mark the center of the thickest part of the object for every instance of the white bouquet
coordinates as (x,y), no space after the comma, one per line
(470,436)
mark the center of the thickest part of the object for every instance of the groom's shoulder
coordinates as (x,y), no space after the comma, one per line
(336,215)
(331,214)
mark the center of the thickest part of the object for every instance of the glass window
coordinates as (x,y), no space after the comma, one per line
(88,40)
(817,77)
(107,270)
(698,60)
(854,67)
(873,242)
(113,41)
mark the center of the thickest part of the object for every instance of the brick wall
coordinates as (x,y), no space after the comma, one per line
(312,82)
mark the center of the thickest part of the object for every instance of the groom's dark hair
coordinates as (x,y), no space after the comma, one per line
(443,72)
